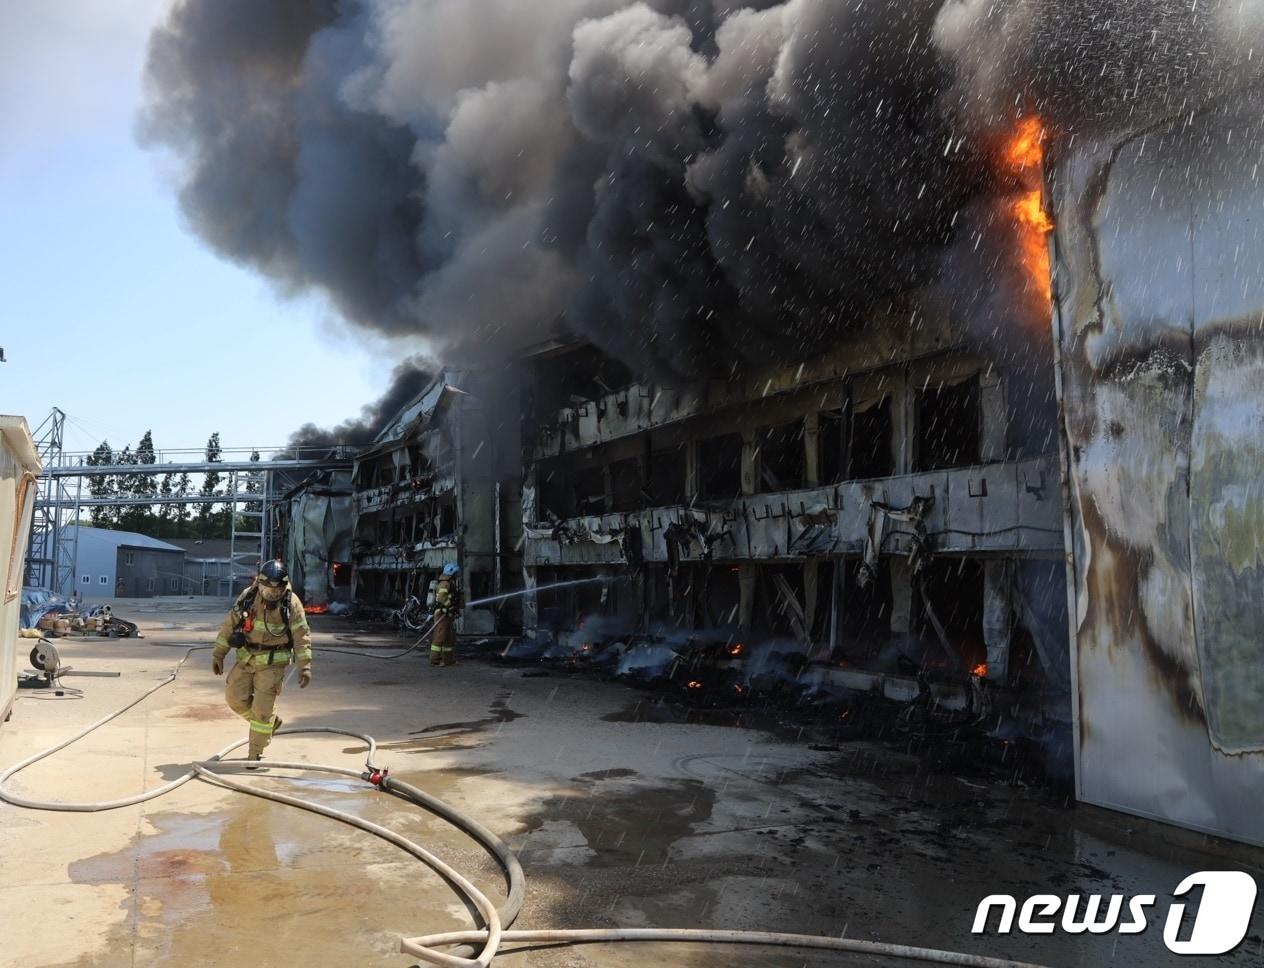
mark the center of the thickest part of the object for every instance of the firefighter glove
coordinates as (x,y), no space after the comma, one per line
(217,664)
(304,677)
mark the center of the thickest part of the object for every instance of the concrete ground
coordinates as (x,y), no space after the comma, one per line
(619,819)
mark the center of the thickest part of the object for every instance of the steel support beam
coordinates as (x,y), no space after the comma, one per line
(122,502)
(52,548)
(199,467)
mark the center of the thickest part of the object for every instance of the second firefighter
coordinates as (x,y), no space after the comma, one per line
(446,607)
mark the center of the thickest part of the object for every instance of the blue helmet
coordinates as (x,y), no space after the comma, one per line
(451,569)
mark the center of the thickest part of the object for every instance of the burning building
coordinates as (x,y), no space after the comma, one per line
(436,486)
(802,253)
(877,508)
(316,527)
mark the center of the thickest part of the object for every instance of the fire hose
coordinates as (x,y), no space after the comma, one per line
(429,624)
(482,942)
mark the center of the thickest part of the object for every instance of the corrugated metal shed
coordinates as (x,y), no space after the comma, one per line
(97,560)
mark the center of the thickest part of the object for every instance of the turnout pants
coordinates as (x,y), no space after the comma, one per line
(442,639)
(252,693)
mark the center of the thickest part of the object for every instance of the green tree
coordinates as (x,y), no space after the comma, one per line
(141,517)
(146,484)
(181,513)
(100,486)
(124,485)
(207,520)
(165,520)
(254,485)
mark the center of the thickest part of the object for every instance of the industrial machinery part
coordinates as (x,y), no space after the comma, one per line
(45,659)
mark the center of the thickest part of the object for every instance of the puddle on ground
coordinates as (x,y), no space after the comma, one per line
(891,854)
(945,748)
(265,883)
(627,825)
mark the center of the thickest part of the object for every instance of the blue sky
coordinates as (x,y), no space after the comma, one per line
(109,307)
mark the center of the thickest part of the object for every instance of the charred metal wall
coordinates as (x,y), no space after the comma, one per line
(1159,274)
(434,489)
(318,528)
(1010,507)
(758,503)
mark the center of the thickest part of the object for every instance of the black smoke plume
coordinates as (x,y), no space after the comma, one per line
(407,380)
(691,184)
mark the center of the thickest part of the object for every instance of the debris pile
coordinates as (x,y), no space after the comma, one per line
(97,620)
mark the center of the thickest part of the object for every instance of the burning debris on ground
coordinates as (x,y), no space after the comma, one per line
(770,542)
(712,676)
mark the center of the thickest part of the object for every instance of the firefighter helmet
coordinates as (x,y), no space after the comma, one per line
(273,574)
(451,569)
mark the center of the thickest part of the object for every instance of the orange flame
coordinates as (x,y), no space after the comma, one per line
(1027,147)
(980,670)
(736,648)
(1024,157)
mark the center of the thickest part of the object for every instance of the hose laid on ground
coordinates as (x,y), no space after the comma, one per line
(368,654)
(491,917)
(423,947)
(505,856)
(92,807)
(492,935)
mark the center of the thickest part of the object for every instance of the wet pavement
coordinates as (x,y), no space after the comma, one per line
(624,813)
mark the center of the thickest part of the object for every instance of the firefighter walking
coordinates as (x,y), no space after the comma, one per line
(268,628)
(446,606)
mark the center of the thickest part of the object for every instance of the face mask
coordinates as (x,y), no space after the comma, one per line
(271,594)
